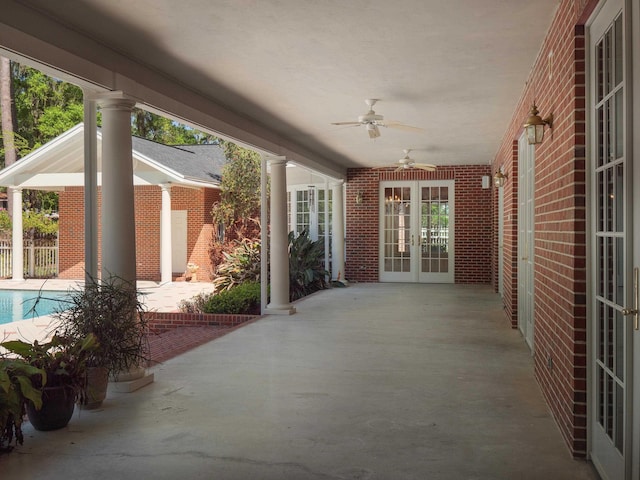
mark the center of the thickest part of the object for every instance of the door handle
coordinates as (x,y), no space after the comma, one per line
(634,311)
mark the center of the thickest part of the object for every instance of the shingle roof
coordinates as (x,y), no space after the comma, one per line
(201,162)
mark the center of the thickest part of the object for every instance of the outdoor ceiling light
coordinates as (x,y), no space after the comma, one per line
(499,179)
(534,126)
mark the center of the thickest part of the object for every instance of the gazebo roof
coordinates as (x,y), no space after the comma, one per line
(60,163)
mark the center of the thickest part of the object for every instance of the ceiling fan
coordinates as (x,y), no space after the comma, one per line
(372,121)
(408,163)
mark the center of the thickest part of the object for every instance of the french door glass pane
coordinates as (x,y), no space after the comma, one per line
(434,229)
(397,229)
(610,236)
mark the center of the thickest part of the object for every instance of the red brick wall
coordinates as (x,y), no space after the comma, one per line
(147,213)
(473,217)
(557,82)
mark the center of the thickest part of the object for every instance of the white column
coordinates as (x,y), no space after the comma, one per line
(279,244)
(165,235)
(17,243)
(264,237)
(337,239)
(90,188)
(118,216)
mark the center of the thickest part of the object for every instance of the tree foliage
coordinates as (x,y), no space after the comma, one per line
(163,130)
(237,213)
(32,222)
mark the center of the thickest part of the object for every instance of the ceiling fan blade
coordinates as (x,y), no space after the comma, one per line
(425,166)
(345,123)
(400,126)
(400,168)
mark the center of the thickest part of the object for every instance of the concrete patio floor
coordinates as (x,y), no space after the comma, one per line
(374,381)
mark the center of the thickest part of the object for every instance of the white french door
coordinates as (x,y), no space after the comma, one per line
(526,186)
(417,231)
(613,323)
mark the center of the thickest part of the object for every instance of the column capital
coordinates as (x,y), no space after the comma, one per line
(337,183)
(165,187)
(275,160)
(15,189)
(115,100)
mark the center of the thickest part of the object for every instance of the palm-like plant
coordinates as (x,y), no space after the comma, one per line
(306,273)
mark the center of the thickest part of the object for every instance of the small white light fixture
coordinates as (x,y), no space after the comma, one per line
(499,179)
(534,126)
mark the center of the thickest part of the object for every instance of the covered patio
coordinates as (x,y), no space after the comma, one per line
(372,381)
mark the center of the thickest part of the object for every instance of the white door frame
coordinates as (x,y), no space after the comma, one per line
(526,238)
(412,234)
(501,241)
(612,340)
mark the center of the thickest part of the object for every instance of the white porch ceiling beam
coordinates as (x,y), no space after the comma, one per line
(27,34)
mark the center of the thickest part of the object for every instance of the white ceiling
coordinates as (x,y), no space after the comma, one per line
(455,68)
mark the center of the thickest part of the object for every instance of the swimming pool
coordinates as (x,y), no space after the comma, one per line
(19,304)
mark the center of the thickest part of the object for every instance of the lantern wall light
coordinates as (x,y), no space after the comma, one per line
(534,126)
(499,179)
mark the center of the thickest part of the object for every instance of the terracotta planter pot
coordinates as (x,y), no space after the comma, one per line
(96,389)
(58,404)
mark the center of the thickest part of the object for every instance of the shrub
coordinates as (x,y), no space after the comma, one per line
(242,299)
(195,304)
(240,266)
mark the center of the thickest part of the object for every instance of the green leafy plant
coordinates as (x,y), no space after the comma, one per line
(306,273)
(110,310)
(36,222)
(242,299)
(16,388)
(239,266)
(63,360)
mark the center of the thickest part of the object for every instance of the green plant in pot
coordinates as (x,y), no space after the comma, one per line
(16,388)
(63,362)
(110,310)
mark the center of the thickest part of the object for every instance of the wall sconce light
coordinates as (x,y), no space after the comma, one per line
(359,197)
(534,126)
(499,179)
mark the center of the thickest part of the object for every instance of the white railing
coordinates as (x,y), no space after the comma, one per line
(40,258)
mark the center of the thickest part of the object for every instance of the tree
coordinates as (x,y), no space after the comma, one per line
(237,214)
(7,111)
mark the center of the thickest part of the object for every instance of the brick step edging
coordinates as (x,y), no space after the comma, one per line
(160,322)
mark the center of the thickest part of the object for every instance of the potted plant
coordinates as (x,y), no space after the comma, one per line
(16,388)
(63,362)
(110,310)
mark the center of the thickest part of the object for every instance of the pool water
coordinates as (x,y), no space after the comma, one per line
(19,304)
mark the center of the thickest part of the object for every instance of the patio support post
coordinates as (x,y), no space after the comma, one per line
(279,244)
(118,217)
(90,188)
(165,235)
(17,242)
(337,239)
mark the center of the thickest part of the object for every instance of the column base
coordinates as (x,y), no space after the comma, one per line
(130,381)
(279,309)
